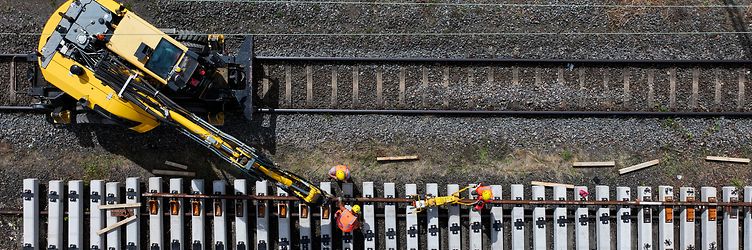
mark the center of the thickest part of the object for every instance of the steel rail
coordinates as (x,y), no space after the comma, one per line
(611,62)
(500,202)
(552,113)
(19,109)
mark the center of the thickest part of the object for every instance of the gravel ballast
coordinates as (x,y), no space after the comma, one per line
(501,150)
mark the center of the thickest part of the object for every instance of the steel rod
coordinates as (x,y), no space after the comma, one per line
(495,60)
(504,112)
(502,202)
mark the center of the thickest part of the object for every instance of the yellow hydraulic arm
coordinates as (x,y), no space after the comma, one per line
(136,90)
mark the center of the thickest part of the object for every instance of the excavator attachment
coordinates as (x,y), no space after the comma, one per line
(115,65)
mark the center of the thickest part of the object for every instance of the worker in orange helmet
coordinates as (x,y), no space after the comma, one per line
(347,219)
(341,173)
(484,194)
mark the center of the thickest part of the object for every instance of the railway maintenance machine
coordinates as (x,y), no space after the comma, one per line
(105,64)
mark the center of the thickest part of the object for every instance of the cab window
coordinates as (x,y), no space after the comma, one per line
(164,58)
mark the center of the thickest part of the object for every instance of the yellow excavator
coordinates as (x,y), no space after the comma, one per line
(106,64)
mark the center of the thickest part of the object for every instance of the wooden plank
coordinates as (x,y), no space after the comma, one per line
(401,86)
(173,173)
(333,98)
(445,84)
(740,93)
(651,88)
(627,93)
(355,86)
(672,89)
(695,88)
(591,164)
(633,168)
(309,85)
(116,225)
(176,165)
(379,87)
(288,85)
(119,206)
(718,87)
(423,86)
(551,184)
(397,158)
(727,159)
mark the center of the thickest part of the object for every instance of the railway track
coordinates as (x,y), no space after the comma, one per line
(475,87)
(183,215)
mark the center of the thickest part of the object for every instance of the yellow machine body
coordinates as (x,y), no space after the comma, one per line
(130,32)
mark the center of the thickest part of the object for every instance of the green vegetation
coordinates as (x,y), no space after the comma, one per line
(566,155)
(738,183)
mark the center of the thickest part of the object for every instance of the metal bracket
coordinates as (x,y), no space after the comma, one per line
(175,245)
(412,232)
(196,245)
(326,239)
(94,196)
(347,237)
(496,225)
(583,219)
(540,222)
(454,228)
(433,230)
(625,217)
(369,235)
(476,227)
(27,195)
(604,218)
(73,195)
(53,196)
(518,224)
(241,246)
(111,199)
(390,233)
(261,245)
(154,246)
(131,246)
(130,194)
(562,221)
(219,245)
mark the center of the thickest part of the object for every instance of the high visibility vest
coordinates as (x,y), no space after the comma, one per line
(347,221)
